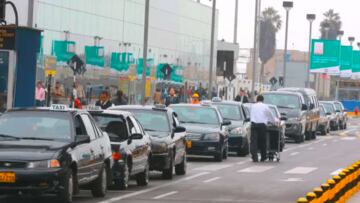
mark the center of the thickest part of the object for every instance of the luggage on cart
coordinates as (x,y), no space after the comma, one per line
(274,147)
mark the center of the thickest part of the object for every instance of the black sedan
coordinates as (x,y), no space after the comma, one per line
(54,151)
(207,132)
(167,137)
(239,130)
(130,146)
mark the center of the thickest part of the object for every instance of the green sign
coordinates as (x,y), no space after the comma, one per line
(95,56)
(346,61)
(63,50)
(120,61)
(325,56)
(141,64)
(356,63)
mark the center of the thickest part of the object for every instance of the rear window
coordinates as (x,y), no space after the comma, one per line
(329,107)
(152,120)
(197,115)
(37,124)
(230,112)
(338,106)
(283,100)
(114,125)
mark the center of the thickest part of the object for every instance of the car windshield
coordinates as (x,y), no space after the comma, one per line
(114,125)
(283,100)
(36,125)
(230,112)
(338,106)
(274,111)
(197,115)
(329,107)
(152,120)
(322,111)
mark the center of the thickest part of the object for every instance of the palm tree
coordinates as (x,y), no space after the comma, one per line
(331,25)
(270,24)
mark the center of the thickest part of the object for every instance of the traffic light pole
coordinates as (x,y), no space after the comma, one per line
(212,49)
(145,48)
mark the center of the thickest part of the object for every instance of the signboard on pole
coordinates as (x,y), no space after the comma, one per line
(346,58)
(50,66)
(356,63)
(325,56)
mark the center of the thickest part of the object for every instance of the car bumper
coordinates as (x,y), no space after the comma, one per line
(159,162)
(118,170)
(322,126)
(237,143)
(204,148)
(48,180)
(293,130)
(334,123)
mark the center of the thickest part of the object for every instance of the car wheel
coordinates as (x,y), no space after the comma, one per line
(123,182)
(219,156)
(299,139)
(142,179)
(66,194)
(313,135)
(245,150)
(168,173)
(345,126)
(308,135)
(99,188)
(180,169)
(323,132)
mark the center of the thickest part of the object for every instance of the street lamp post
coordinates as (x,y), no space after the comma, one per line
(287,5)
(358,44)
(145,50)
(337,80)
(254,57)
(351,40)
(310,18)
(212,49)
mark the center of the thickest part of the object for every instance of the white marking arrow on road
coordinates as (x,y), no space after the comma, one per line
(301,170)
(165,195)
(256,169)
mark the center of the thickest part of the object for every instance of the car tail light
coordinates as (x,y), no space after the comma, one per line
(116,156)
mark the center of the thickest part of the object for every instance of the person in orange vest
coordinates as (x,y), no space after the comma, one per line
(195,98)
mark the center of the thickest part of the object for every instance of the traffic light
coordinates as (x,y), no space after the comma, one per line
(2,10)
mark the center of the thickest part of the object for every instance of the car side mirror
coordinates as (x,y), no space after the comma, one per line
(179,129)
(82,139)
(136,136)
(338,111)
(283,118)
(304,107)
(247,120)
(226,123)
(328,114)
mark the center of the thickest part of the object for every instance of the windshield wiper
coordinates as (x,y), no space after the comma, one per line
(9,136)
(36,138)
(285,107)
(192,122)
(151,130)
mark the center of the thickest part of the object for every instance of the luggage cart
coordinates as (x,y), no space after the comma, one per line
(273,144)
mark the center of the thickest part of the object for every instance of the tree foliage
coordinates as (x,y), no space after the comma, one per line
(332,23)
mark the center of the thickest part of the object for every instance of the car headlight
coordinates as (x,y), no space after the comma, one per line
(237,131)
(294,119)
(212,136)
(44,164)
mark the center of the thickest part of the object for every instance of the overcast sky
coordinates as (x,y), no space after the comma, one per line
(298,25)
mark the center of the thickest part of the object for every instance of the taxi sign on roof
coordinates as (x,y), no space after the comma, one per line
(205,103)
(58,107)
(93,108)
(216,99)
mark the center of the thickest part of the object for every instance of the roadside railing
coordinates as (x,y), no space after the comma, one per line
(338,189)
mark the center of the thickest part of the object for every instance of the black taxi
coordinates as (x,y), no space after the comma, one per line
(130,146)
(167,137)
(207,131)
(53,150)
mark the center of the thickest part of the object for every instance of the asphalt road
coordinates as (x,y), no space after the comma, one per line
(302,167)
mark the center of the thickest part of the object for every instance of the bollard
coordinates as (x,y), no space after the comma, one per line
(302,200)
(352,181)
(337,188)
(311,197)
(325,195)
(319,194)
(346,183)
(343,187)
(331,183)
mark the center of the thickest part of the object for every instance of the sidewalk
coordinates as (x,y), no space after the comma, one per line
(355,198)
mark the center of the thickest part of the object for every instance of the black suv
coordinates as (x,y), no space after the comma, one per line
(130,146)
(53,150)
(168,142)
(207,132)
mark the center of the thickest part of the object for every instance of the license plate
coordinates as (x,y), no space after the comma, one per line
(7,177)
(189,144)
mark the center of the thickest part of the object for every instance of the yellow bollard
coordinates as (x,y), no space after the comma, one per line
(319,195)
(352,178)
(342,185)
(326,189)
(331,183)
(311,197)
(302,200)
(337,187)
(346,183)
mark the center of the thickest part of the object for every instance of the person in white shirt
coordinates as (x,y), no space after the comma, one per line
(260,116)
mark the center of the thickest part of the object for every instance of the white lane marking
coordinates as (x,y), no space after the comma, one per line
(348,138)
(256,169)
(310,148)
(213,167)
(165,195)
(346,132)
(121,197)
(211,180)
(294,153)
(293,180)
(242,162)
(335,141)
(324,144)
(334,173)
(301,170)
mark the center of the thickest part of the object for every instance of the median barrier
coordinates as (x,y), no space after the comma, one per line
(338,189)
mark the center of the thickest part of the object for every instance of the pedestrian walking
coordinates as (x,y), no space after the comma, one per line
(104,100)
(121,98)
(39,94)
(172,98)
(242,97)
(195,98)
(157,97)
(260,116)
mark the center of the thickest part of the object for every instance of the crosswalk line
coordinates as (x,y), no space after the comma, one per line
(256,169)
(213,167)
(348,138)
(334,173)
(301,170)
(293,180)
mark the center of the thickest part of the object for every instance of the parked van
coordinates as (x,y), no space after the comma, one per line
(293,106)
(313,111)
